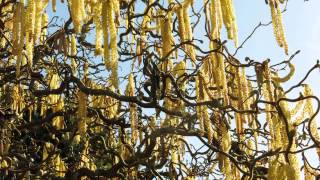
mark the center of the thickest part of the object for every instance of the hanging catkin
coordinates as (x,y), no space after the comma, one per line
(77,8)
(216,18)
(73,51)
(166,42)
(133,110)
(97,8)
(278,29)
(110,50)
(106,34)
(29,30)
(219,73)
(226,145)
(268,94)
(294,162)
(18,35)
(58,122)
(240,117)
(181,25)
(30,15)
(207,124)
(16,29)
(188,31)
(113,44)
(38,19)
(200,97)
(82,112)
(310,112)
(229,20)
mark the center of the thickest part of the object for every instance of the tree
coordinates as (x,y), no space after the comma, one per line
(129,90)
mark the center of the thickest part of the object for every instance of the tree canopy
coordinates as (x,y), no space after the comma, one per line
(148,89)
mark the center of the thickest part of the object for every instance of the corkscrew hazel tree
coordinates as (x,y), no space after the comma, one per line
(125,103)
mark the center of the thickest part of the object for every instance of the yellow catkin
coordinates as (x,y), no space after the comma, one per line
(18,35)
(216,18)
(181,24)
(113,45)
(282,34)
(116,8)
(73,46)
(145,26)
(207,124)
(112,104)
(267,92)
(309,111)
(294,162)
(77,13)
(22,35)
(30,17)
(246,93)
(166,45)
(58,122)
(105,28)
(273,172)
(29,49)
(110,50)
(287,77)
(174,151)
(38,16)
(226,145)
(168,104)
(219,72)
(99,31)
(133,111)
(29,30)
(16,28)
(240,117)
(200,98)
(82,112)
(60,166)
(174,158)
(280,171)
(40,6)
(203,95)
(188,31)
(86,161)
(229,19)
(277,24)
(16,98)
(54,84)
